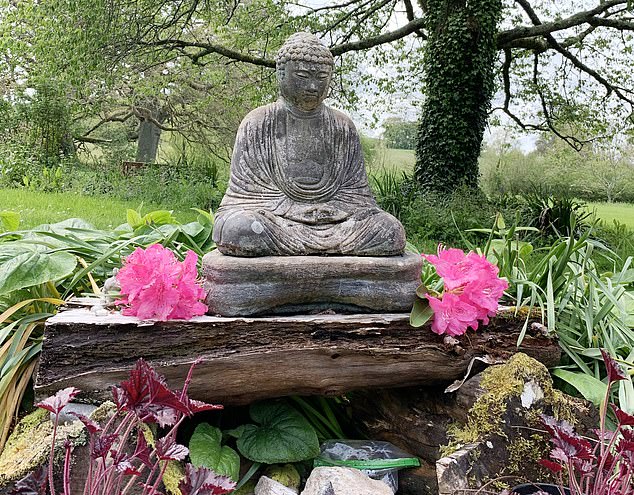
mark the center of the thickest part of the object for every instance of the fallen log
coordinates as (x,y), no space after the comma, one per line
(246,359)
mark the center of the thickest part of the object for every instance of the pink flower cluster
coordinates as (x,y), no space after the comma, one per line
(156,286)
(471,293)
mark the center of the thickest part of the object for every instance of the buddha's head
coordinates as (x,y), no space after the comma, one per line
(304,68)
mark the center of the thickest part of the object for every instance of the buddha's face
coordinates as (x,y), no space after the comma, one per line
(304,84)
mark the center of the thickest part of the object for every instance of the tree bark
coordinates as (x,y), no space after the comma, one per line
(246,359)
(149,134)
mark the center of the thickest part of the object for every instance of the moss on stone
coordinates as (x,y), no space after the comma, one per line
(522,450)
(285,474)
(172,477)
(501,384)
(104,412)
(29,445)
(523,312)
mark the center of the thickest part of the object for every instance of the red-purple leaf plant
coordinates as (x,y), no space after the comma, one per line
(141,400)
(601,466)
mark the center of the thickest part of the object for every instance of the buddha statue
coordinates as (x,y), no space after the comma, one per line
(298,184)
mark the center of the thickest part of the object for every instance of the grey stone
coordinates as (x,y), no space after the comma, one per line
(343,481)
(267,486)
(65,415)
(298,184)
(302,284)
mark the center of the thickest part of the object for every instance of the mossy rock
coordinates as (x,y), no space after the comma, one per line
(30,443)
(499,437)
(522,384)
(286,474)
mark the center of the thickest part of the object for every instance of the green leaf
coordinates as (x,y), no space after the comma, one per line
(626,277)
(133,218)
(236,432)
(282,435)
(204,217)
(34,268)
(10,220)
(159,217)
(590,387)
(421,312)
(205,449)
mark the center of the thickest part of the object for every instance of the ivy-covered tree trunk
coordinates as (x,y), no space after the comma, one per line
(459,85)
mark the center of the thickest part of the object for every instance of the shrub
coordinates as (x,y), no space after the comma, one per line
(446,218)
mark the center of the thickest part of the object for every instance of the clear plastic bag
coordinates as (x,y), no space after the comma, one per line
(379,460)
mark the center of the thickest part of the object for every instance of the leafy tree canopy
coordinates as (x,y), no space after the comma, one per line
(557,61)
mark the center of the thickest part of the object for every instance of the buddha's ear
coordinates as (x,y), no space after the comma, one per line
(280,70)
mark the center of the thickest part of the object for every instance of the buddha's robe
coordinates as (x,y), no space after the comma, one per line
(298,186)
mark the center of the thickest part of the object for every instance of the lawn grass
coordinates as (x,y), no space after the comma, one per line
(621,212)
(389,159)
(36,208)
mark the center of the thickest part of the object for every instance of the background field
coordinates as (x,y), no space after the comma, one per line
(36,208)
(621,212)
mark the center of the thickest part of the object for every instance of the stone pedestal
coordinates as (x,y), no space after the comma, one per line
(309,284)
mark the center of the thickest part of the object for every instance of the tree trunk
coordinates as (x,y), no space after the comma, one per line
(150,133)
(459,85)
(148,141)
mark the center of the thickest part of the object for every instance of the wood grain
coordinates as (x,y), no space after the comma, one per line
(246,359)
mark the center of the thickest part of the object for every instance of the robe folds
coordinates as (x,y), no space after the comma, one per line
(298,186)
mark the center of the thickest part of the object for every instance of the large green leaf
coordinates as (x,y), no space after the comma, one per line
(205,449)
(33,268)
(590,387)
(282,435)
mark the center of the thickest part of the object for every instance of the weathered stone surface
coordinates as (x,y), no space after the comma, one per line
(298,184)
(304,284)
(67,414)
(343,481)
(268,486)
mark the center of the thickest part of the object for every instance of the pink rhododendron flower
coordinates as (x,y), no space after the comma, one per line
(452,315)
(471,292)
(155,285)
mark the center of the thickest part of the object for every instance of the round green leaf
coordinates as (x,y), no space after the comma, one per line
(282,435)
(205,449)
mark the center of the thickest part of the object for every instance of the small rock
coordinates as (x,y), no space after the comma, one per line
(343,481)
(267,486)
(99,310)
(65,415)
(286,474)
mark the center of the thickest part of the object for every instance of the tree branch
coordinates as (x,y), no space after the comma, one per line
(409,11)
(120,116)
(609,87)
(397,34)
(209,48)
(580,18)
